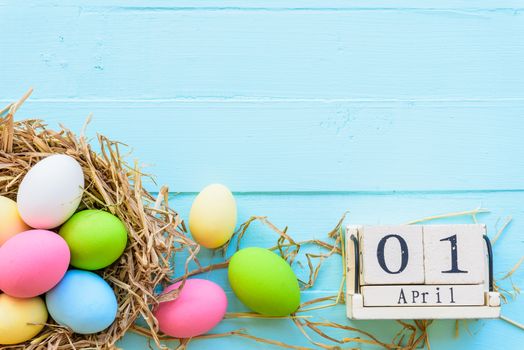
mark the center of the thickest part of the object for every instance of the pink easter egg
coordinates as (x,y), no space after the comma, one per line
(200,306)
(32,263)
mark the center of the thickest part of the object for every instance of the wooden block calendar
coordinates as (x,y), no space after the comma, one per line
(420,272)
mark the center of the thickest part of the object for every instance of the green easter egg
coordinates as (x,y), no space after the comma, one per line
(96,239)
(264,282)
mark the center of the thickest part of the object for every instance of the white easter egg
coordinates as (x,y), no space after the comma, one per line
(51,191)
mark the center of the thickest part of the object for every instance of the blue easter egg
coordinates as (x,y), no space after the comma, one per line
(82,301)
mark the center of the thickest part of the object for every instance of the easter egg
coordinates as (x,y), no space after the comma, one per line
(264,282)
(82,301)
(96,239)
(20,319)
(213,216)
(32,262)
(10,221)
(200,306)
(51,191)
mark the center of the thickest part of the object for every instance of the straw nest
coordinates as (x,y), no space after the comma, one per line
(154,230)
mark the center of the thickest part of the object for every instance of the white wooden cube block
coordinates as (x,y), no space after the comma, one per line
(392,255)
(454,254)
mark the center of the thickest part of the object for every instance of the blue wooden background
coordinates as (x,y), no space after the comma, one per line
(393,110)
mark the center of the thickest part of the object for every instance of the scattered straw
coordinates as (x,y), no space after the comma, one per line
(511,322)
(236,333)
(472,213)
(502,229)
(513,269)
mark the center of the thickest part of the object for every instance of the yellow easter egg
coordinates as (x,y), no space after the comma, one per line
(10,221)
(213,216)
(20,319)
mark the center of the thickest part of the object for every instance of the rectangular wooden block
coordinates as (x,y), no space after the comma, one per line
(392,254)
(356,310)
(423,295)
(454,254)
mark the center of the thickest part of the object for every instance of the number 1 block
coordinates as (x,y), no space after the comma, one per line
(454,254)
(392,255)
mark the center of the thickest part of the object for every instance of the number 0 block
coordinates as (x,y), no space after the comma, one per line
(392,255)
(454,254)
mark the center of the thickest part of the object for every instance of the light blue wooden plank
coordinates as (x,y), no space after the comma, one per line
(312,146)
(150,53)
(312,216)
(275,4)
